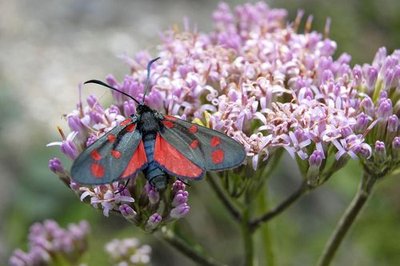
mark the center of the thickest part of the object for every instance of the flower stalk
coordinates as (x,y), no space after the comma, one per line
(267,247)
(179,244)
(223,197)
(289,201)
(247,236)
(347,220)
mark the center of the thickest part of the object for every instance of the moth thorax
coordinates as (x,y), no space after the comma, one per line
(149,123)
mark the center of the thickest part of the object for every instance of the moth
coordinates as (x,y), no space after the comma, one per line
(159,145)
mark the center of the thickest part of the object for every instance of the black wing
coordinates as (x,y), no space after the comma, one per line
(205,147)
(119,153)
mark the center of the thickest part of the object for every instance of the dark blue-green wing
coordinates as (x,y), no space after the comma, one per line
(208,149)
(118,154)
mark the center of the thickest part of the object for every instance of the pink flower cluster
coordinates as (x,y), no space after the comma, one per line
(128,252)
(260,81)
(48,243)
(255,66)
(153,211)
(378,85)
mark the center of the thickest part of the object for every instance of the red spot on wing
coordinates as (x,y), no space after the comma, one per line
(136,162)
(193,129)
(97,170)
(215,141)
(217,156)
(194,144)
(168,123)
(111,138)
(130,127)
(95,155)
(174,161)
(116,154)
(125,122)
(169,117)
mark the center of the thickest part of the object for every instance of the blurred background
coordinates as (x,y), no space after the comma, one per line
(48,47)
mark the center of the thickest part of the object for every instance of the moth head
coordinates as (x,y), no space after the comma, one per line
(142,108)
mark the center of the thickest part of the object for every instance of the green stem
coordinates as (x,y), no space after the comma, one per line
(223,197)
(247,238)
(254,224)
(187,249)
(266,236)
(347,219)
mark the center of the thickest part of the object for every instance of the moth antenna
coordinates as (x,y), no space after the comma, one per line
(147,86)
(99,82)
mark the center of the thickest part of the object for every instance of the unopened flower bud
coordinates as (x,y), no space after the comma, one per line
(180,211)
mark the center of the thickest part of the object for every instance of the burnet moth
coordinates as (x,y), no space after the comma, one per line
(158,145)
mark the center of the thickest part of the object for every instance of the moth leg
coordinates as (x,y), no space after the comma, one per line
(183,181)
(120,190)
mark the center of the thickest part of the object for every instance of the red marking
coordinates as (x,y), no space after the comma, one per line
(168,123)
(215,141)
(174,161)
(130,127)
(111,138)
(137,161)
(116,154)
(194,144)
(95,155)
(169,117)
(193,129)
(97,170)
(125,122)
(217,156)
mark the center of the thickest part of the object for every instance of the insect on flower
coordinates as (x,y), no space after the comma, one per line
(159,145)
